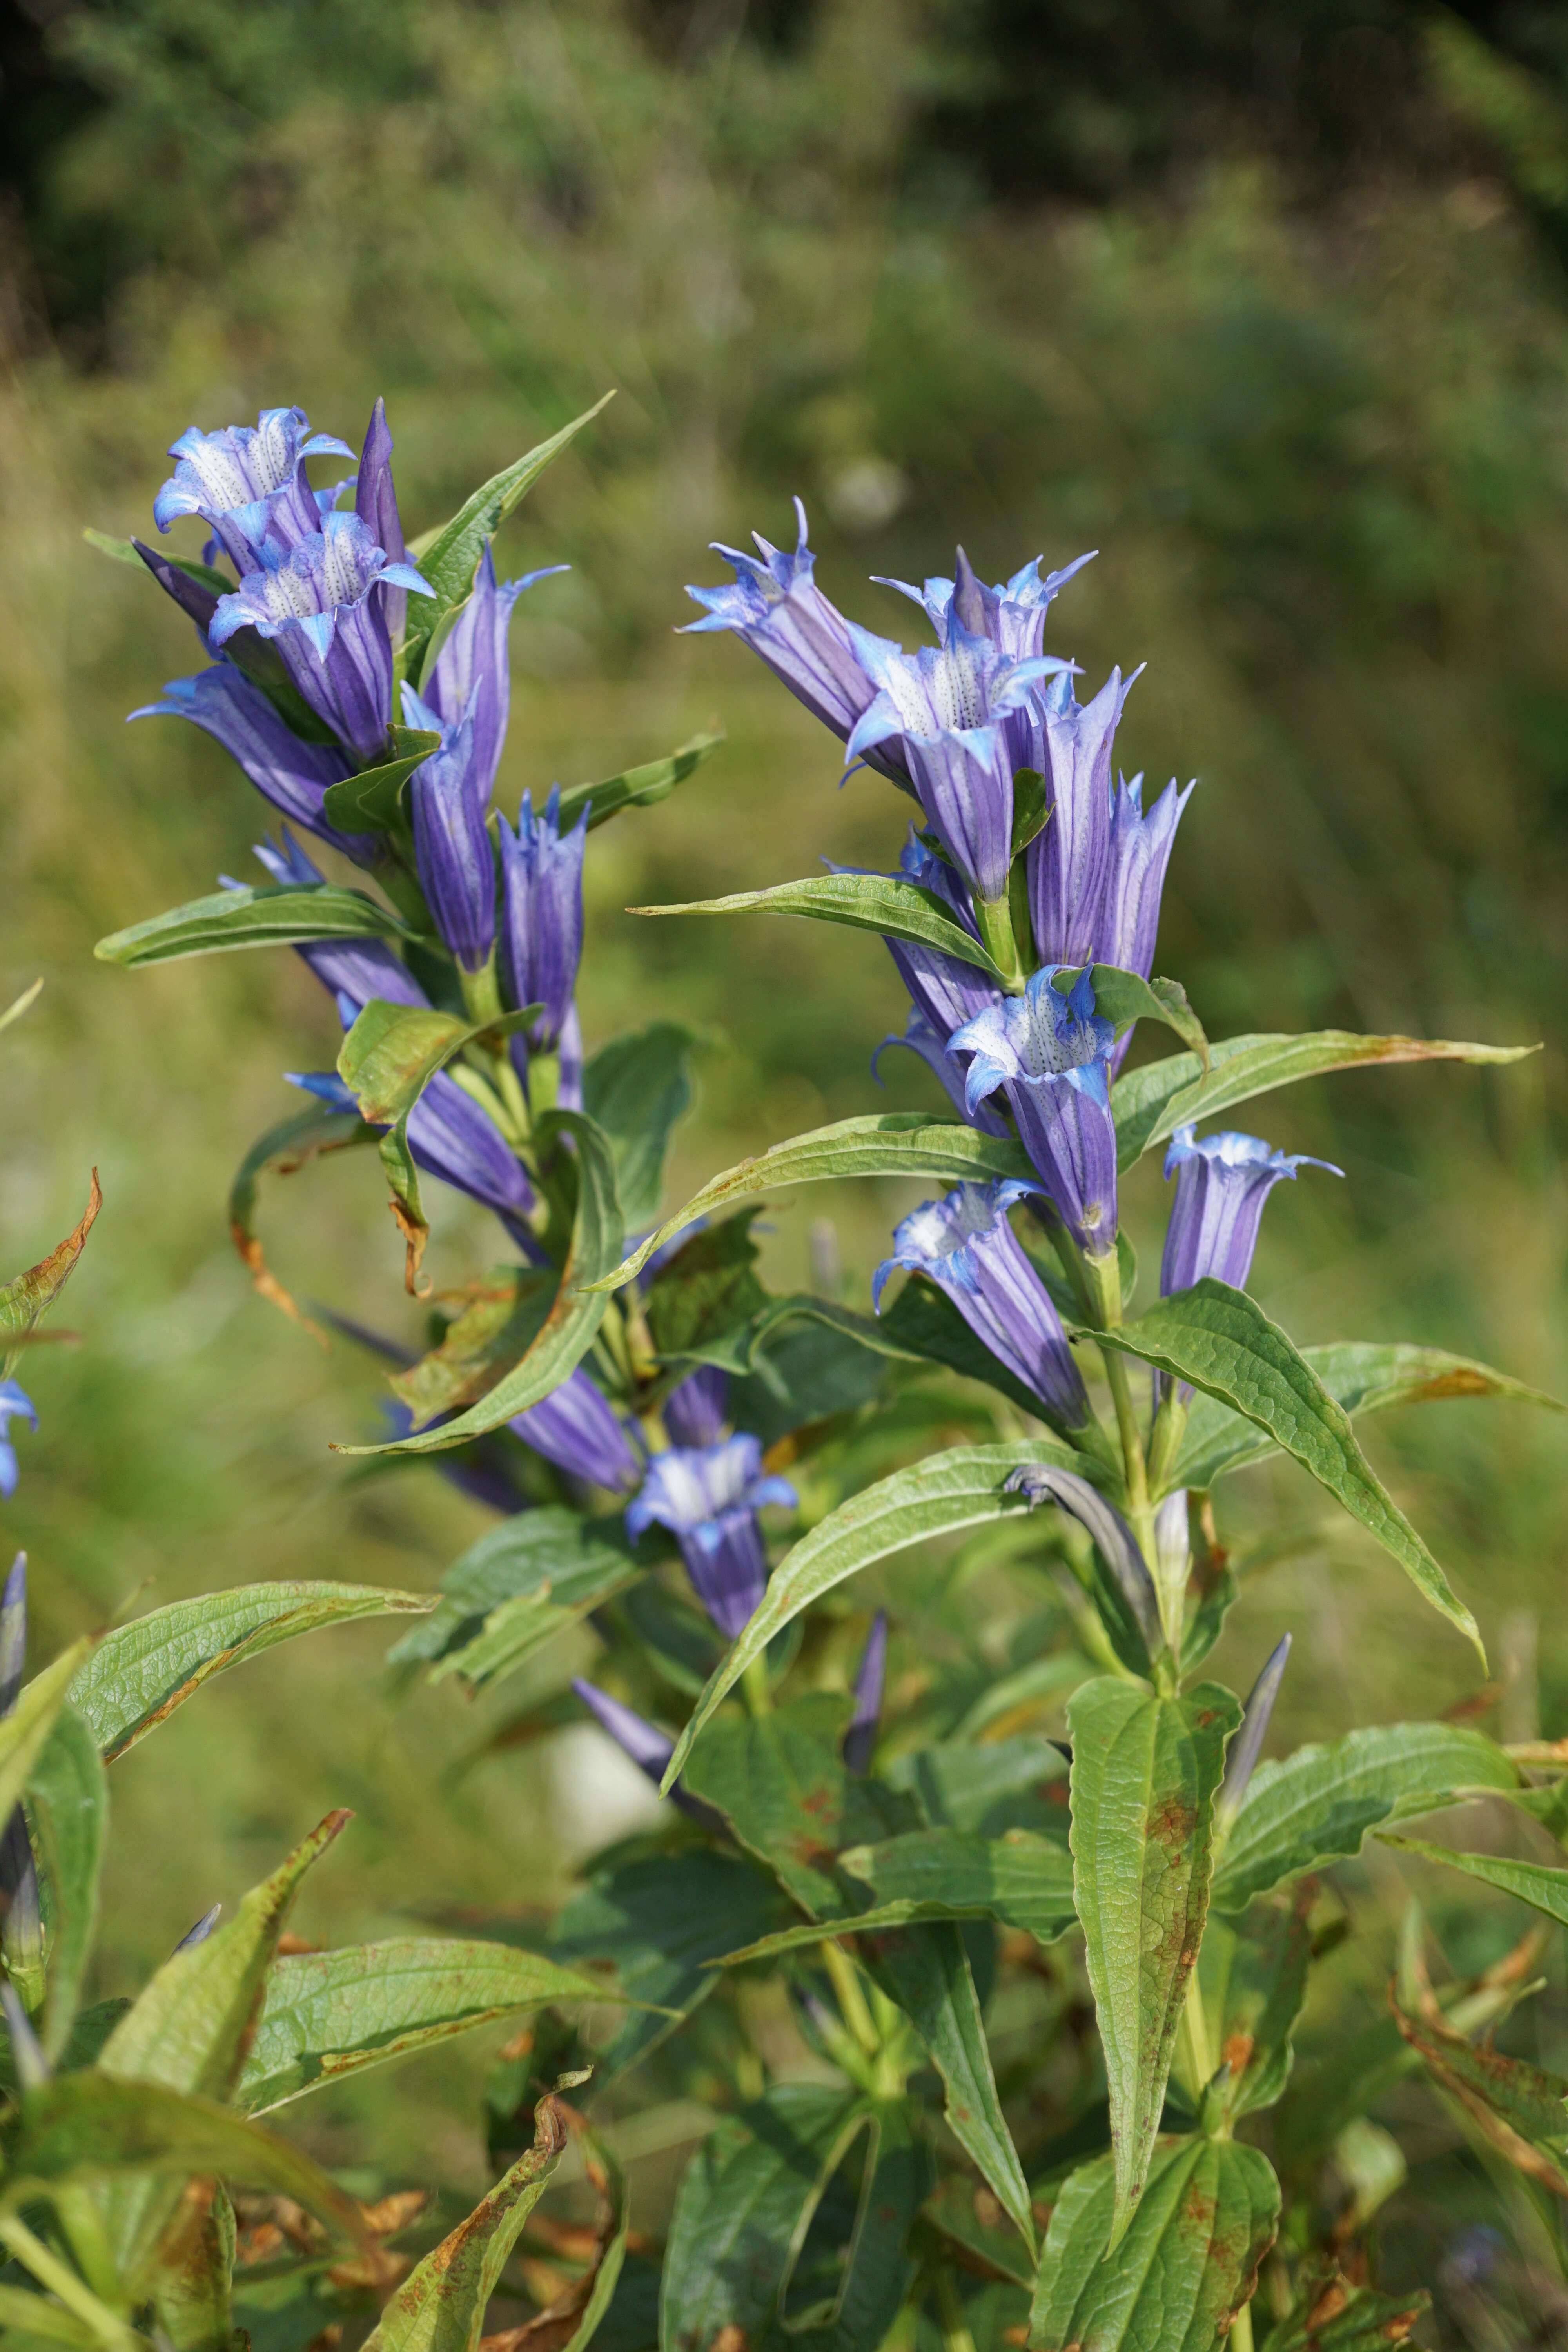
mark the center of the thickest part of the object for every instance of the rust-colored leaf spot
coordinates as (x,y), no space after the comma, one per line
(1238,2054)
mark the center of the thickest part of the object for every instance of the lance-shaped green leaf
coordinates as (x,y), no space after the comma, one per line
(374,800)
(1252,1980)
(1335,2316)
(328,2014)
(268,916)
(744,2211)
(26,1732)
(67,1807)
(781,1781)
(1361,1375)
(890,1143)
(188,2027)
(637,1088)
(284,1150)
(1316,1806)
(882,903)
(140,1673)
(1018,1880)
(652,1925)
(568,1331)
(386,1061)
(1533,1882)
(1517,2108)
(636,787)
(960,1488)
(550,1553)
(1144,1774)
(925,1969)
(32,2320)
(1220,1340)
(440,2306)
(448,558)
(90,2126)
(28,1297)
(1186,2265)
(1150,1104)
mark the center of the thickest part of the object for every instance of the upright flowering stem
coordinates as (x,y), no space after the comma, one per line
(1103,1279)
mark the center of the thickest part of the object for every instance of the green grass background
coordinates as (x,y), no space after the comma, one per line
(1322,438)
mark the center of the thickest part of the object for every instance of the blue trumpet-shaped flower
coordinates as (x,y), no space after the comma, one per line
(322,602)
(694,1414)
(950,1070)
(965,1245)
(955,721)
(650,1748)
(1140,849)
(708,1497)
(294,776)
(1012,614)
(15,1404)
(860,1736)
(1222,1183)
(1069,861)
(578,1429)
(541,937)
(452,798)
(777,609)
(248,482)
(1049,1053)
(471,677)
(19,1909)
(375,503)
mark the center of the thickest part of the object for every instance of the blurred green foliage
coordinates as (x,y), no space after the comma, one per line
(1297,361)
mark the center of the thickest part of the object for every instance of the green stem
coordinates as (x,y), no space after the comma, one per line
(481,990)
(850,1999)
(754,1684)
(994,919)
(1195,2026)
(956,2334)
(1240,2337)
(63,2282)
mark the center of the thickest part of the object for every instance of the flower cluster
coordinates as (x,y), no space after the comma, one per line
(310,687)
(964,726)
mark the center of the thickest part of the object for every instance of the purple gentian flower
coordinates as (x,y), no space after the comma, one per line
(694,1413)
(577,1429)
(777,609)
(471,677)
(1241,1761)
(1050,1055)
(860,1736)
(375,503)
(1222,1183)
(1012,614)
(1069,861)
(294,776)
(248,482)
(966,1247)
(322,602)
(19,1871)
(944,989)
(452,798)
(708,1497)
(449,1136)
(1140,852)
(956,721)
(14,1404)
(541,940)
(650,1748)
(950,1070)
